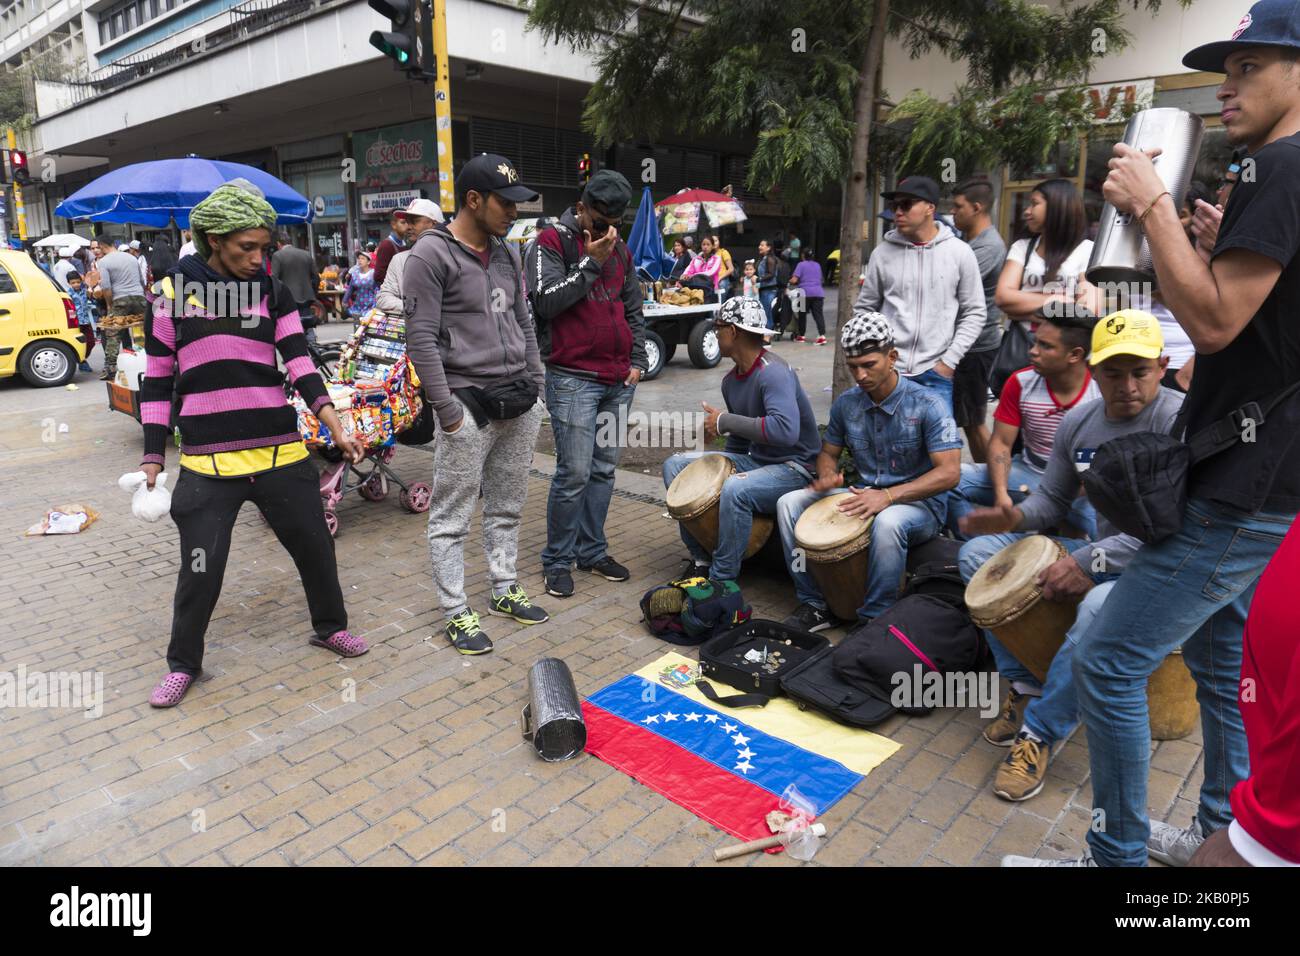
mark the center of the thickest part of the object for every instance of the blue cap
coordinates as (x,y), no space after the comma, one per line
(1269,23)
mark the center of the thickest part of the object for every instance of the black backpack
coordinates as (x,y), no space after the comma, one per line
(922,632)
(816,683)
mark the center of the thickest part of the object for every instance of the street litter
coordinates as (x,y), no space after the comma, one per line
(65,519)
(71,387)
(147,503)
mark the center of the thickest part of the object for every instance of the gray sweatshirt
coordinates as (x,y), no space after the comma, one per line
(932,295)
(769,416)
(1084,429)
(466,324)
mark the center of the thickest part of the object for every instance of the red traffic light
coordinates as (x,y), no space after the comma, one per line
(18,166)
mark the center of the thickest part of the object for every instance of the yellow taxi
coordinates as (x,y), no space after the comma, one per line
(39,335)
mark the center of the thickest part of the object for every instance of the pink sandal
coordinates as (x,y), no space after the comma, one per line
(343,643)
(171,690)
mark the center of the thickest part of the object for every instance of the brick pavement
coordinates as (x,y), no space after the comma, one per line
(285,754)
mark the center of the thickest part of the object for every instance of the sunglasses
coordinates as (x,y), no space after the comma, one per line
(903,205)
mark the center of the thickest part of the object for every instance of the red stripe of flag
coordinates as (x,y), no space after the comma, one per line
(724,799)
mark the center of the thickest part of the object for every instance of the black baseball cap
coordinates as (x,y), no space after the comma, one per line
(490,173)
(609,191)
(1268,23)
(922,187)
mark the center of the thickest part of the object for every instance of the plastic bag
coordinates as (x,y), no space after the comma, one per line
(797,835)
(147,503)
(65,519)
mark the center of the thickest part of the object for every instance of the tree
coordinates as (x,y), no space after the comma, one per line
(801,80)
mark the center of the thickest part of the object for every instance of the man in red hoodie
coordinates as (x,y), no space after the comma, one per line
(586,302)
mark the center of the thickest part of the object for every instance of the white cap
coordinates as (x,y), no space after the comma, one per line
(423,207)
(123,247)
(68,252)
(135,243)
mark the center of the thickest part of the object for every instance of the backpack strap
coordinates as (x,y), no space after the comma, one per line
(1226,432)
(735,700)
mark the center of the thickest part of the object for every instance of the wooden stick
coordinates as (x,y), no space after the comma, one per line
(753,846)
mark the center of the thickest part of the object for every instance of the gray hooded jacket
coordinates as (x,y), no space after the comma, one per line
(932,295)
(466,325)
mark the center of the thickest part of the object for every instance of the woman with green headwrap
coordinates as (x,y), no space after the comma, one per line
(215,333)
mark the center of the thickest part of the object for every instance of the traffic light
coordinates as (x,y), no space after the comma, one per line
(409,40)
(584,169)
(18,172)
(398,44)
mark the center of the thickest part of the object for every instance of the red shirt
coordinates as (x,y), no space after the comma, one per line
(1027,403)
(1267,803)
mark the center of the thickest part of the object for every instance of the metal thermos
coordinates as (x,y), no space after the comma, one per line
(1120,253)
(552,719)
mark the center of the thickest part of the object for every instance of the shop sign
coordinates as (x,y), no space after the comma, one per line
(396,155)
(381,204)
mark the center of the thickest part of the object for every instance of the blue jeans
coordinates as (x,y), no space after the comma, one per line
(895,529)
(755,489)
(932,379)
(584,467)
(1191,590)
(975,490)
(1053,715)
(767,297)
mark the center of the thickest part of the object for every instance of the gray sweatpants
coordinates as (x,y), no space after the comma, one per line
(498,457)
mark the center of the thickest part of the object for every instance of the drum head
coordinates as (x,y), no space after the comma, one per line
(1008,581)
(698,485)
(823,527)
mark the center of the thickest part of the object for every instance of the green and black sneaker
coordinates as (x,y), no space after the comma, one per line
(465,634)
(514,603)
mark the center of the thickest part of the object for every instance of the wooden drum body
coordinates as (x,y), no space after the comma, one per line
(1171,699)
(1004,597)
(693,500)
(836,548)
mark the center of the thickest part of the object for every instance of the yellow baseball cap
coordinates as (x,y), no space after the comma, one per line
(1127,332)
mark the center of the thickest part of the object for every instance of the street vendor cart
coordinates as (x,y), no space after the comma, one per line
(667,326)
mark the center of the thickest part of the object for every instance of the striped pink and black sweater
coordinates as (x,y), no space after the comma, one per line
(231,391)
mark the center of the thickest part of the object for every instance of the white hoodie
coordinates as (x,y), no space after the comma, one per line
(932,295)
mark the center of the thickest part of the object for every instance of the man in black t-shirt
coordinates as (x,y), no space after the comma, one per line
(1192,590)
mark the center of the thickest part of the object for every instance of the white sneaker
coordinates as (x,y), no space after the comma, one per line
(1085,860)
(1174,846)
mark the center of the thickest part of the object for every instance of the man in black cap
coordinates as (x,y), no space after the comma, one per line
(1192,589)
(926,282)
(472,341)
(587,302)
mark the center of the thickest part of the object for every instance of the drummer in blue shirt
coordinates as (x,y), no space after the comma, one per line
(907,449)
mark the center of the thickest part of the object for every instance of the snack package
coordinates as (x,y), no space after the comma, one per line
(71,518)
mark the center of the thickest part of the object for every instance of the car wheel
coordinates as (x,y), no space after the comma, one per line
(702,346)
(655,356)
(47,363)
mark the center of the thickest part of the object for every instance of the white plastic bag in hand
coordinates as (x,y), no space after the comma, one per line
(149,504)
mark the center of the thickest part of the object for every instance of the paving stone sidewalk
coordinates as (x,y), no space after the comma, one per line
(285,754)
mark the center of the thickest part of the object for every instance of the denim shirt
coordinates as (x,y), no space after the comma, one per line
(891,442)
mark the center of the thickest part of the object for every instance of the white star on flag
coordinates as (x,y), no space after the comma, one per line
(652,719)
(729,728)
(744,766)
(711,718)
(669,716)
(692,718)
(739,739)
(746,754)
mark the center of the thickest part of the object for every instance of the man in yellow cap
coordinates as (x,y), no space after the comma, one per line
(1038,716)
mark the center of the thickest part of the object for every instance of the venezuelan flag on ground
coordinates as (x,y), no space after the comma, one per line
(729,767)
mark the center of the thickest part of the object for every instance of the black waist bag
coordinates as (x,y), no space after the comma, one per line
(1139,483)
(500,401)
(921,631)
(816,684)
(722,658)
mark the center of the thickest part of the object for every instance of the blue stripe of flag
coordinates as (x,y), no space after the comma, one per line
(772,763)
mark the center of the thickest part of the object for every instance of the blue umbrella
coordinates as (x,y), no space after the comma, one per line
(154,193)
(645,242)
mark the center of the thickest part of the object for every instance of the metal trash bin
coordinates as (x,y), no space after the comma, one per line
(552,718)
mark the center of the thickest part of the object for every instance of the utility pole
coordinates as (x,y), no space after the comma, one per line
(442,107)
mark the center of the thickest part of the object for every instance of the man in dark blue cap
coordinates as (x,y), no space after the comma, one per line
(1193,588)
(587,305)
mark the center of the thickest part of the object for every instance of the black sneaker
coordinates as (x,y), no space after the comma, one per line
(559,582)
(514,603)
(807,617)
(607,568)
(691,569)
(465,634)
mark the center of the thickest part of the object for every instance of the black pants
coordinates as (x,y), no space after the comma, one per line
(813,304)
(205,509)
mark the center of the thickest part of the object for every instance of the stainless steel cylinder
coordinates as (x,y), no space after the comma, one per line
(552,719)
(1120,253)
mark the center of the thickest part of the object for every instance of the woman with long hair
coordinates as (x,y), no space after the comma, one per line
(216,339)
(1048,266)
(708,263)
